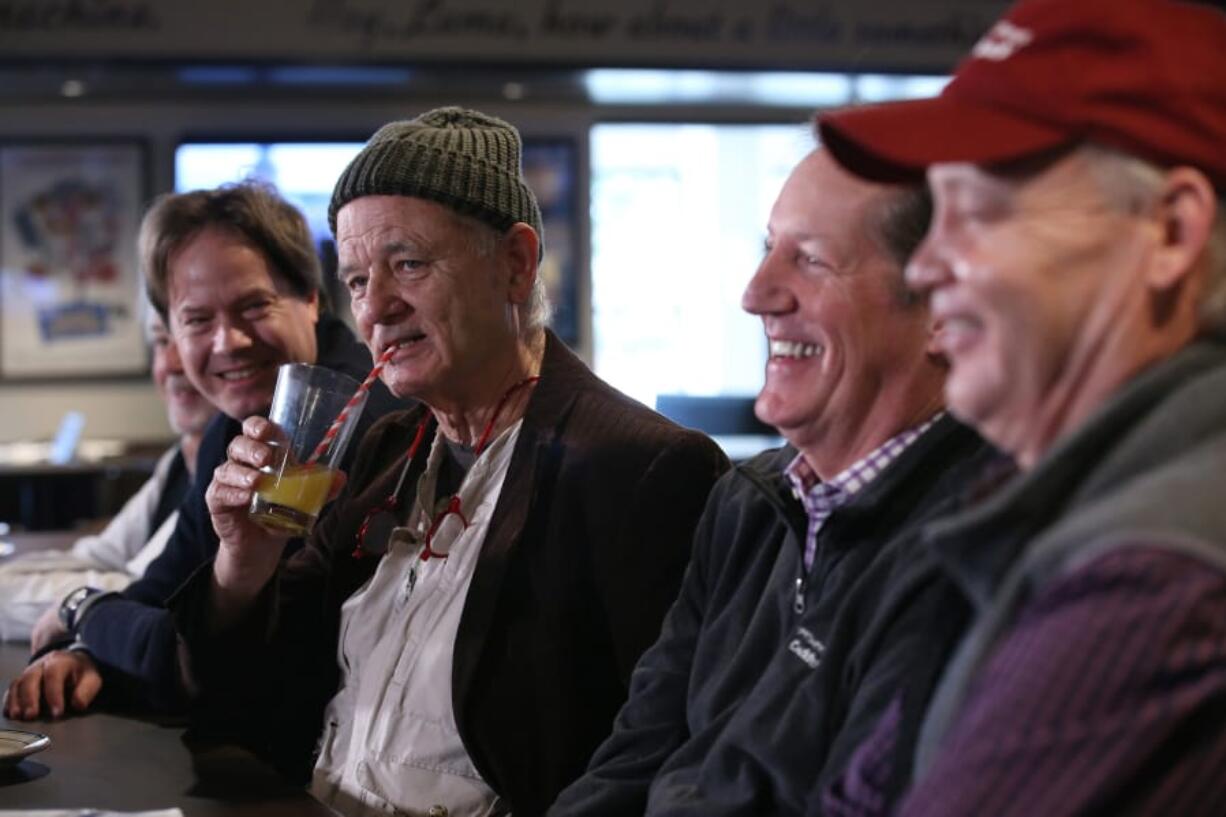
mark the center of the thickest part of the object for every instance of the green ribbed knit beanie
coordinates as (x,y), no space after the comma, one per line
(463,159)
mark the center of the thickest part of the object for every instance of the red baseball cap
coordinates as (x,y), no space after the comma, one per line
(1147,77)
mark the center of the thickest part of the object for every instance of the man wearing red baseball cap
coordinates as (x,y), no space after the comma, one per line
(1077,267)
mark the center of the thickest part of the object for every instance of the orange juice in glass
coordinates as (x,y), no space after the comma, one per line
(293,489)
(291,501)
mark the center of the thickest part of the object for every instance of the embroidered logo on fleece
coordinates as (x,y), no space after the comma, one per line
(1002,42)
(807,648)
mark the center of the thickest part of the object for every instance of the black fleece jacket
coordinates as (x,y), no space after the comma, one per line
(765,676)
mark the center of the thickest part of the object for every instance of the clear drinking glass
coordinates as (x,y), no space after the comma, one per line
(293,488)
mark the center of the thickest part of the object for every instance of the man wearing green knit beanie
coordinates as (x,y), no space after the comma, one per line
(465,620)
(461,158)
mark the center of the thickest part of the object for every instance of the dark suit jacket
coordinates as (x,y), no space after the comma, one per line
(583,557)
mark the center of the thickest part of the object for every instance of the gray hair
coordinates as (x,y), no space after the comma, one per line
(483,240)
(1213,307)
(1132,184)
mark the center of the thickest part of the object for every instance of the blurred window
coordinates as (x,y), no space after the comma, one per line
(304,172)
(679,215)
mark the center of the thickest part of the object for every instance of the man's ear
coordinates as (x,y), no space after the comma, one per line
(521,250)
(1184,213)
(312,301)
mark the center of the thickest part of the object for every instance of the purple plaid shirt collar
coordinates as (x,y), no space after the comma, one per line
(820,499)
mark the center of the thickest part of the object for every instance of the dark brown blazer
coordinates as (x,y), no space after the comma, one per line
(584,555)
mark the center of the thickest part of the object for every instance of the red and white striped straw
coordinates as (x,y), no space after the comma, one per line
(331,433)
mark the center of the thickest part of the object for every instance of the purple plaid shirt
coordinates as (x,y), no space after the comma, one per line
(820,499)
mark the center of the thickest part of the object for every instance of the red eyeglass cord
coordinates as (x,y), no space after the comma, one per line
(453,504)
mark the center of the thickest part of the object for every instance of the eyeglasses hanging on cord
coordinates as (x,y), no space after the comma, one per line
(381,518)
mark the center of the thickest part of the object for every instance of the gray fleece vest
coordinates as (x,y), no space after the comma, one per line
(1148,469)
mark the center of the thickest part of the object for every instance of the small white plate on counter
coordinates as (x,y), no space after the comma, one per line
(16,745)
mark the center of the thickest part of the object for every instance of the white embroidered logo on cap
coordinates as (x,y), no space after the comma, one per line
(1001,42)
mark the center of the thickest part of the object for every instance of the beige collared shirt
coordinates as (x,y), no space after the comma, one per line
(390,742)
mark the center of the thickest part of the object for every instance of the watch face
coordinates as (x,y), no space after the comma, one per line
(72,601)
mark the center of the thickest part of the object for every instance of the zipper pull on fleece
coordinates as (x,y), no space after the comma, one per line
(798,603)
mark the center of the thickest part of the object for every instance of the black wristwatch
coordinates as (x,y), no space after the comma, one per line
(70,607)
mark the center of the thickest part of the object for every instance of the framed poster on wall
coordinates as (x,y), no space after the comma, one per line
(69,282)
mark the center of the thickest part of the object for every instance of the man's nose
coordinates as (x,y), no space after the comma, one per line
(383,302)
(230,336)
(171,359)
(929,266)
(767,292)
